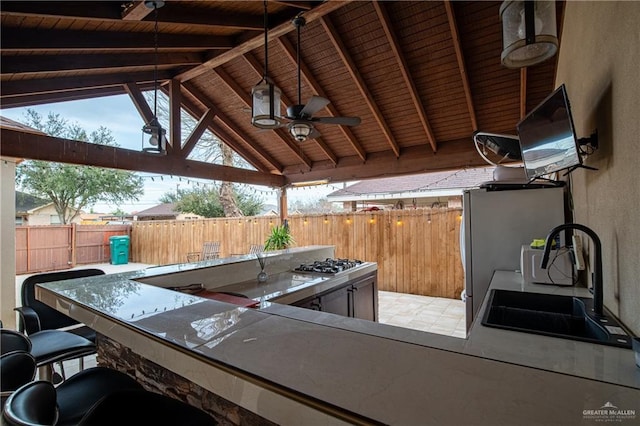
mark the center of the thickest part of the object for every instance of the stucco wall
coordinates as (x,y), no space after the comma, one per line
(599,61)
(42,216)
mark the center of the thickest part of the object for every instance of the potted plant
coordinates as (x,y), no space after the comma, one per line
(279,239)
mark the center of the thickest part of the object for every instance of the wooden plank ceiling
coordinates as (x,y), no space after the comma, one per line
(422,76)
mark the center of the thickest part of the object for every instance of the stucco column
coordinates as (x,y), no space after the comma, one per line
(7,242)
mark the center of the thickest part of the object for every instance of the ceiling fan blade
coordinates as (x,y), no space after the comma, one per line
(343,121)
(315,104)
(314,134)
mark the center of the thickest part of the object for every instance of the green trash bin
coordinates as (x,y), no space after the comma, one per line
(119,246)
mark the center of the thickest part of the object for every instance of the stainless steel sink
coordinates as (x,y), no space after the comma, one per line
(553,315)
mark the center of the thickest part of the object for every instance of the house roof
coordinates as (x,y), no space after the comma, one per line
(165,209)
(26,202)
(421,75)
(7,123)
(420,185)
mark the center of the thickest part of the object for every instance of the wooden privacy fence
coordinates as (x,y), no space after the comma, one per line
(417,251)
(56,247)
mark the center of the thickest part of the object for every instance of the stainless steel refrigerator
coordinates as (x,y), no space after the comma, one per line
(495,226)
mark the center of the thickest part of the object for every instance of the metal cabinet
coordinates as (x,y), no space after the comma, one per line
(357,299)
(363,295)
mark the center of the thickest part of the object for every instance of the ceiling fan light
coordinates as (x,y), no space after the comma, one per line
(300,131)
(529,33)
(265,111)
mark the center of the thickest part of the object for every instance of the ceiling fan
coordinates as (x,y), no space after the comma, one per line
(300,116)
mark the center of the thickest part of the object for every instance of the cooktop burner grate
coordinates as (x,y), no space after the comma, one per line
(328,266)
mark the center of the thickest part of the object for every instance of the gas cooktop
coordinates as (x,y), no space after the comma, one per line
(328,266)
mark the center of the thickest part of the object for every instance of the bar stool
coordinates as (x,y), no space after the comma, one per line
(47,347)
(16,369)
(141,407)
(41,403)
(37,316)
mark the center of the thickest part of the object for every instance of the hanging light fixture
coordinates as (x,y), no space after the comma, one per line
(529,34)
(157,139)
(265,110)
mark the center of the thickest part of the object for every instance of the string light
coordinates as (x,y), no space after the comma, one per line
(398,221)
(326,219)
(372,220)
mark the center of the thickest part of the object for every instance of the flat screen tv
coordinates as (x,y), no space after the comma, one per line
(547,137)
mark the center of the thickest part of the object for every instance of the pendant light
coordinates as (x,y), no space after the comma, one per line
(265,110)
(529,33)
(300,130)
(157,140)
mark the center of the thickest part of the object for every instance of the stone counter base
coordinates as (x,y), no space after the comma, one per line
(160,380)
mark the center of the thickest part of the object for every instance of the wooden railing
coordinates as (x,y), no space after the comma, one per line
(417,251)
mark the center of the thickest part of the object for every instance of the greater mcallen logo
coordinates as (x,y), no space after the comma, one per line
(609,413)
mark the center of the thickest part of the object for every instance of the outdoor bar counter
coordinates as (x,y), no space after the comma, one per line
(287,365)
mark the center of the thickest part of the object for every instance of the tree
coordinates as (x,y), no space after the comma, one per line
(73,188)
(206,202)
(320,205)
(212,150)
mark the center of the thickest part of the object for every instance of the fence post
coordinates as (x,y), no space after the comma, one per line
(73,244)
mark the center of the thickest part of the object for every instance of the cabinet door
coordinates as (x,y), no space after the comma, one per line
(313,303)
(336,302)
(364,299)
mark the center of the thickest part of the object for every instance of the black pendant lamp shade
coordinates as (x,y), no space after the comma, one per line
(265,110)
(529,33)
(154,139)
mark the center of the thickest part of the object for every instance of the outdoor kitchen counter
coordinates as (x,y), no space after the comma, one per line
(295,366)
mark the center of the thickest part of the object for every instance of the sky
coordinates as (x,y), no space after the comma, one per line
(118,114)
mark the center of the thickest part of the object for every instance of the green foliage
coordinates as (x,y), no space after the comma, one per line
(206,202)
(201,201)
(249,204)
(73,188)
(118,212)
(279,239)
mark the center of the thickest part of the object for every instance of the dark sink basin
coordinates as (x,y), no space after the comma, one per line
(553,315)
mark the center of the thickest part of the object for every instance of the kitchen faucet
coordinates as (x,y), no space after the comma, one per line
(597,270)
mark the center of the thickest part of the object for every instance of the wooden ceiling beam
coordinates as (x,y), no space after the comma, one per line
(139,102)
(304,5)
(403,66)
(17,39)
(254,153)
(51,85)
(317,88)
(457,45)
(257,67)
(246,99)
(258,40)
(451,155)
(171,13)
(46,148)
(135,11)
(75,95)
(523,92)
(174,147)
(203,124)
(351,66)
(34,64)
